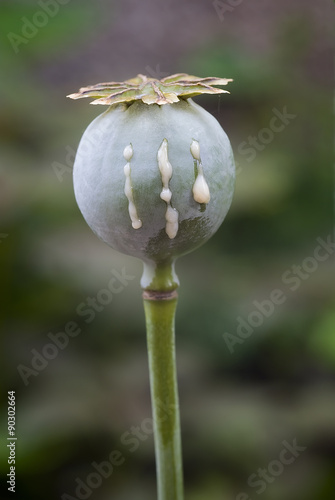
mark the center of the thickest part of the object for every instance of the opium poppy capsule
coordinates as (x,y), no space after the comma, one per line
(154,174)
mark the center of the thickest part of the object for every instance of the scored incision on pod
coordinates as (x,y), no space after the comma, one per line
(200,188)
(165,167)
(128,188)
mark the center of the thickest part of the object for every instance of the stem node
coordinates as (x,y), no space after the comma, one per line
(157,295)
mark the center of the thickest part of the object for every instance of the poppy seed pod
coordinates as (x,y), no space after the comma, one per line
(154,174)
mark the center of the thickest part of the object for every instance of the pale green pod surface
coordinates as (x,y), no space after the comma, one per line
(135,175)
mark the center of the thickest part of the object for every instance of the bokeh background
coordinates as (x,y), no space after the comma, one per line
(238,409)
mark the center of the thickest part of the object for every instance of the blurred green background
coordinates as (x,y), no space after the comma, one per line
(238,409)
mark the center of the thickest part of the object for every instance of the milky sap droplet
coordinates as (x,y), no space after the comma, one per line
(200,188)
(195,150)
(128,189)
(165,167)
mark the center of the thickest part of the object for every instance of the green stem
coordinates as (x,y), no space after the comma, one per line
(160,307)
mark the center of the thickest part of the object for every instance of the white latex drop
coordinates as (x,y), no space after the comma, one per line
(171,217)
(128,152)
(165,167)
(195,150)
(200,188)
(128,190)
